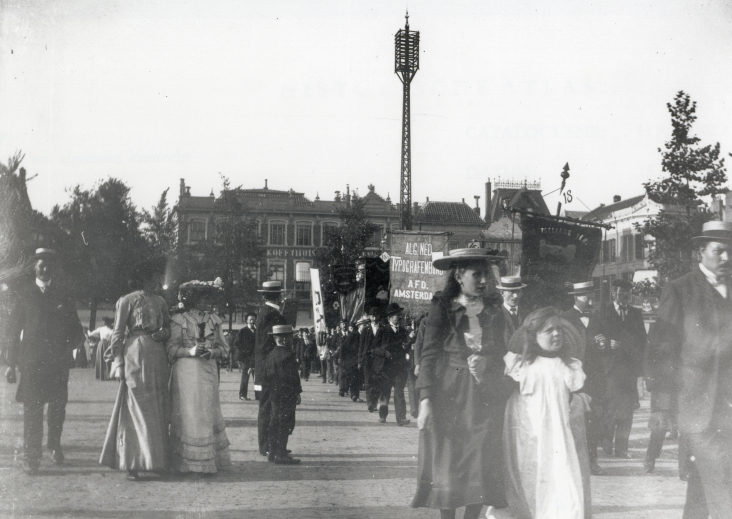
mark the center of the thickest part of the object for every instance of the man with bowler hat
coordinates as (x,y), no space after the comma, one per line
(592,329)
(269,315)
(390,365)
(51,330)
(511,288)
(621,367)
(689,363)
(244,344)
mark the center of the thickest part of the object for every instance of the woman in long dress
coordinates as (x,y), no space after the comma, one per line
(463,391)
(103,337)
(544,475)
(197,431)
(137,436)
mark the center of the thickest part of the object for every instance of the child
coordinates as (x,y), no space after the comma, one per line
(281,375)
(544,472)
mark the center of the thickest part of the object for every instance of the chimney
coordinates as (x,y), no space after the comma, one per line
(348,195)
(477,207)
(463,200)
(488,193)
(616,199)
(428,199)
(182,187)
(188,190)
(415,208)
(265,184)
(337,196)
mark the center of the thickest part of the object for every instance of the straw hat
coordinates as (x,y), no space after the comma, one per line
(453,257)
(271,287)
(715,231)
(510,283)
(583,288)
(282,329)
(42,253)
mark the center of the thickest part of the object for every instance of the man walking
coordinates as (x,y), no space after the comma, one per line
(390,365)
(51,330)
(350,381)
(627,335)
(269,315)
(244,344)
(689,363)
(511,288)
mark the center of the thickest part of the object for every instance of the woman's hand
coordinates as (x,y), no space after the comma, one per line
(424,419)
(477,364)
(158,336)
(119,372)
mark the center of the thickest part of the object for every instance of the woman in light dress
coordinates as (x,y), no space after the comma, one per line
(137,436)
(544,478)
(197,431)
(102,336)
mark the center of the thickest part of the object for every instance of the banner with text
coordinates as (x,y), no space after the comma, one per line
(318,304)
(555,254)
(413,279)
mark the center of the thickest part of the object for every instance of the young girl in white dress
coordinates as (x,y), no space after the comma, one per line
(544,479)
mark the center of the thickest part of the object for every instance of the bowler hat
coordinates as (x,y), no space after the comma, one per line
(715,231)
(282,329)
(453,257)
(510,283)
(271,286)
(393,308)
(187,290)
(585,287)
(42,253)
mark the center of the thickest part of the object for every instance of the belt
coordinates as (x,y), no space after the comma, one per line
(139,333)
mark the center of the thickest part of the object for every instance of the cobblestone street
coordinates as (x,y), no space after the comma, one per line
(352,467)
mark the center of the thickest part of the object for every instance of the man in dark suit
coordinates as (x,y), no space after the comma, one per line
(690,362)
(269,315)
(390,365)
(348,361)
(51,331)
(244,344)
(366,358)
(592,329)
(510,288)
(621,367)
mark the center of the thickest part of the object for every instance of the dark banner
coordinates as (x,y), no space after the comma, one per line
(555,254)
(413,279)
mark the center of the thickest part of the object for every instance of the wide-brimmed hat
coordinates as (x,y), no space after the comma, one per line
(363,320)
(453,257)
(393,308)
(715,231)
(282,329)
(190,288)
(271,287)
(43,253)
(585,287)
(510,283)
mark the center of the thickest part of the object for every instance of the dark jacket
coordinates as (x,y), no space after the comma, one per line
(244,344)
(51,330)
(349,350)
(267,317)
(689,356)
(626,361)
(594,358)
(280,372)
(511,323)
(396,343)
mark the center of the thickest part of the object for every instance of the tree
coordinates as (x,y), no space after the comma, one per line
(160,226)
(103,241)
(344,245)
(16,216)
(695,175)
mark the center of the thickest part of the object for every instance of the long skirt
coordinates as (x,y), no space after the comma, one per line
(197,429)
(101,365)
(137,437)
(461,456)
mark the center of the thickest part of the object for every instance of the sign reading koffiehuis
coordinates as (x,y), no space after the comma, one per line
(290,253)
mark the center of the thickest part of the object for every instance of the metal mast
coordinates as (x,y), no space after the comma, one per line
(406,64)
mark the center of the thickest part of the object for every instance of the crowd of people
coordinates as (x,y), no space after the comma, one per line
(512,406)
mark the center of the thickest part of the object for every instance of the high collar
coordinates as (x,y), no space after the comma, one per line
(43,285)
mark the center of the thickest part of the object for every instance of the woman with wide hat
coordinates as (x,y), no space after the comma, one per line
(462,390)
(198,438)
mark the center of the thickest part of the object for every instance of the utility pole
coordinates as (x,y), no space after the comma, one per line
(406,64)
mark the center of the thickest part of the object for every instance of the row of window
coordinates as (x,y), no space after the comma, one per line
(278,232)
(631,248)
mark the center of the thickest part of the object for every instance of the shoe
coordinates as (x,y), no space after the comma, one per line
(414,414)
(357,400)
(263,453)
(649,465)
(684,477)
(30,467)
(243,398)
(57,456)
(325,381)
(404,422)
(371,408)
(306,379)
(382,419)
(595,469)
(286,460)
(132,475)
(623,455)
(341,394)
(271,458)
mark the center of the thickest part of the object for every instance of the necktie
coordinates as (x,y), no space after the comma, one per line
(623,311)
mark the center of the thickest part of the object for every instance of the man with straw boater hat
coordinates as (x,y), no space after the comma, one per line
(282,379)
(592,329)
(269,315)
(50,327)
(689,366)
(389,369)
(511,288)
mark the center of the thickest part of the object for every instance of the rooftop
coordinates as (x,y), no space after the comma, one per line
(599,213)
(448,212)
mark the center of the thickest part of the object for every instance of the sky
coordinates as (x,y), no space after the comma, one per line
(303,93)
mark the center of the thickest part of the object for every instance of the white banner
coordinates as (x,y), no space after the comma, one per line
(318,307)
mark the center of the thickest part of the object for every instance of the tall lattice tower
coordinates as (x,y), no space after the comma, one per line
(406,64)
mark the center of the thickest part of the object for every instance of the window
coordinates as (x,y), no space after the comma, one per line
(277,272)
(277,233)
(639,246)
(304,234)
(608,251)
(375,241)
(325,226)
(302,279)
(452,245)
(627,250)
(197,230)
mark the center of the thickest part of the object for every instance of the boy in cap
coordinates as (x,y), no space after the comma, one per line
(283,380)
